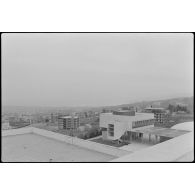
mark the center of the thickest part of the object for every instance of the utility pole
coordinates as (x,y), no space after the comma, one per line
(72,136)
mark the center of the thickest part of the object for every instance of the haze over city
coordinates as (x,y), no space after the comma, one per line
(95,69)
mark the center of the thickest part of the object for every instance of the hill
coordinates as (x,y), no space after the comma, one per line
(188,101)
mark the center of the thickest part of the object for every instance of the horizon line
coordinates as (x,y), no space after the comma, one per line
(88,106)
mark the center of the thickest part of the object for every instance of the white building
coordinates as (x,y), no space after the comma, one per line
(114,125)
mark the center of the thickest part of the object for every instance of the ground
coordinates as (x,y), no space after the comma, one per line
(108,142)
(133,146)
(36,148)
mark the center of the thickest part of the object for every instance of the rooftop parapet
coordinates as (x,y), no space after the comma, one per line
(124,112)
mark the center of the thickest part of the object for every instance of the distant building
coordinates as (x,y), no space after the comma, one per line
(128,108)
(19,124)
(68,122)
(160,114)
(13,119)
(104,110)
(124,112)
(116,124)
(181,104)
(161,118)
(52,118)
(154,110)
(156,104)
(5,126)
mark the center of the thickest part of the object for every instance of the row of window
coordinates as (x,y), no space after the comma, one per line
(142,123)
(111,129)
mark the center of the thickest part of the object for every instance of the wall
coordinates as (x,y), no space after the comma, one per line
(119,130)
(144,127)
(16,131)
(53,135)
(83,143)
(104,135)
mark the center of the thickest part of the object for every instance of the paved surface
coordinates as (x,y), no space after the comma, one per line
(135,146)
(36,148)
(188,157)
(184,126)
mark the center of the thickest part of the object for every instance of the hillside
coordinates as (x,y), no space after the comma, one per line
(189,101)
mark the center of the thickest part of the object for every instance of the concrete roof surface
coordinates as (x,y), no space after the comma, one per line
(31,147)
(184,126)
(168,151)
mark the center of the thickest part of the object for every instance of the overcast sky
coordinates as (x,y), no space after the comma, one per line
(95,69)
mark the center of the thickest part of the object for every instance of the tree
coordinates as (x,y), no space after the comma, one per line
(171,108)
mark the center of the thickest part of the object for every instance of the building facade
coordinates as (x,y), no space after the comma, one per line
(160,115)
(5,126)
(116,124)
(68,122)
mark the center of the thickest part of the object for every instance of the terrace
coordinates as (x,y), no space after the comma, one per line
(36,148)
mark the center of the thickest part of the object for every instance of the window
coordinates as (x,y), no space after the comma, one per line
(111,129)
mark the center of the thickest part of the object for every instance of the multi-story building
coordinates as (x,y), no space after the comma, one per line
(68,122)
(160,115)
(116,124)
(161,118)
(154,110)
(54,117)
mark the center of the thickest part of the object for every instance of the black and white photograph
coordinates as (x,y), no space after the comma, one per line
(97,97)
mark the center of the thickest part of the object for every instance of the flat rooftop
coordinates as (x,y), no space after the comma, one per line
(149,108)
(177,149)
(184,126)
(68,117)
(36,148)
(165,132)
(137,116)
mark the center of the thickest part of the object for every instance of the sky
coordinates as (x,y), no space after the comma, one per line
(96,69)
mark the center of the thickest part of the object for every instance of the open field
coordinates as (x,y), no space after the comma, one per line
(36,148)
